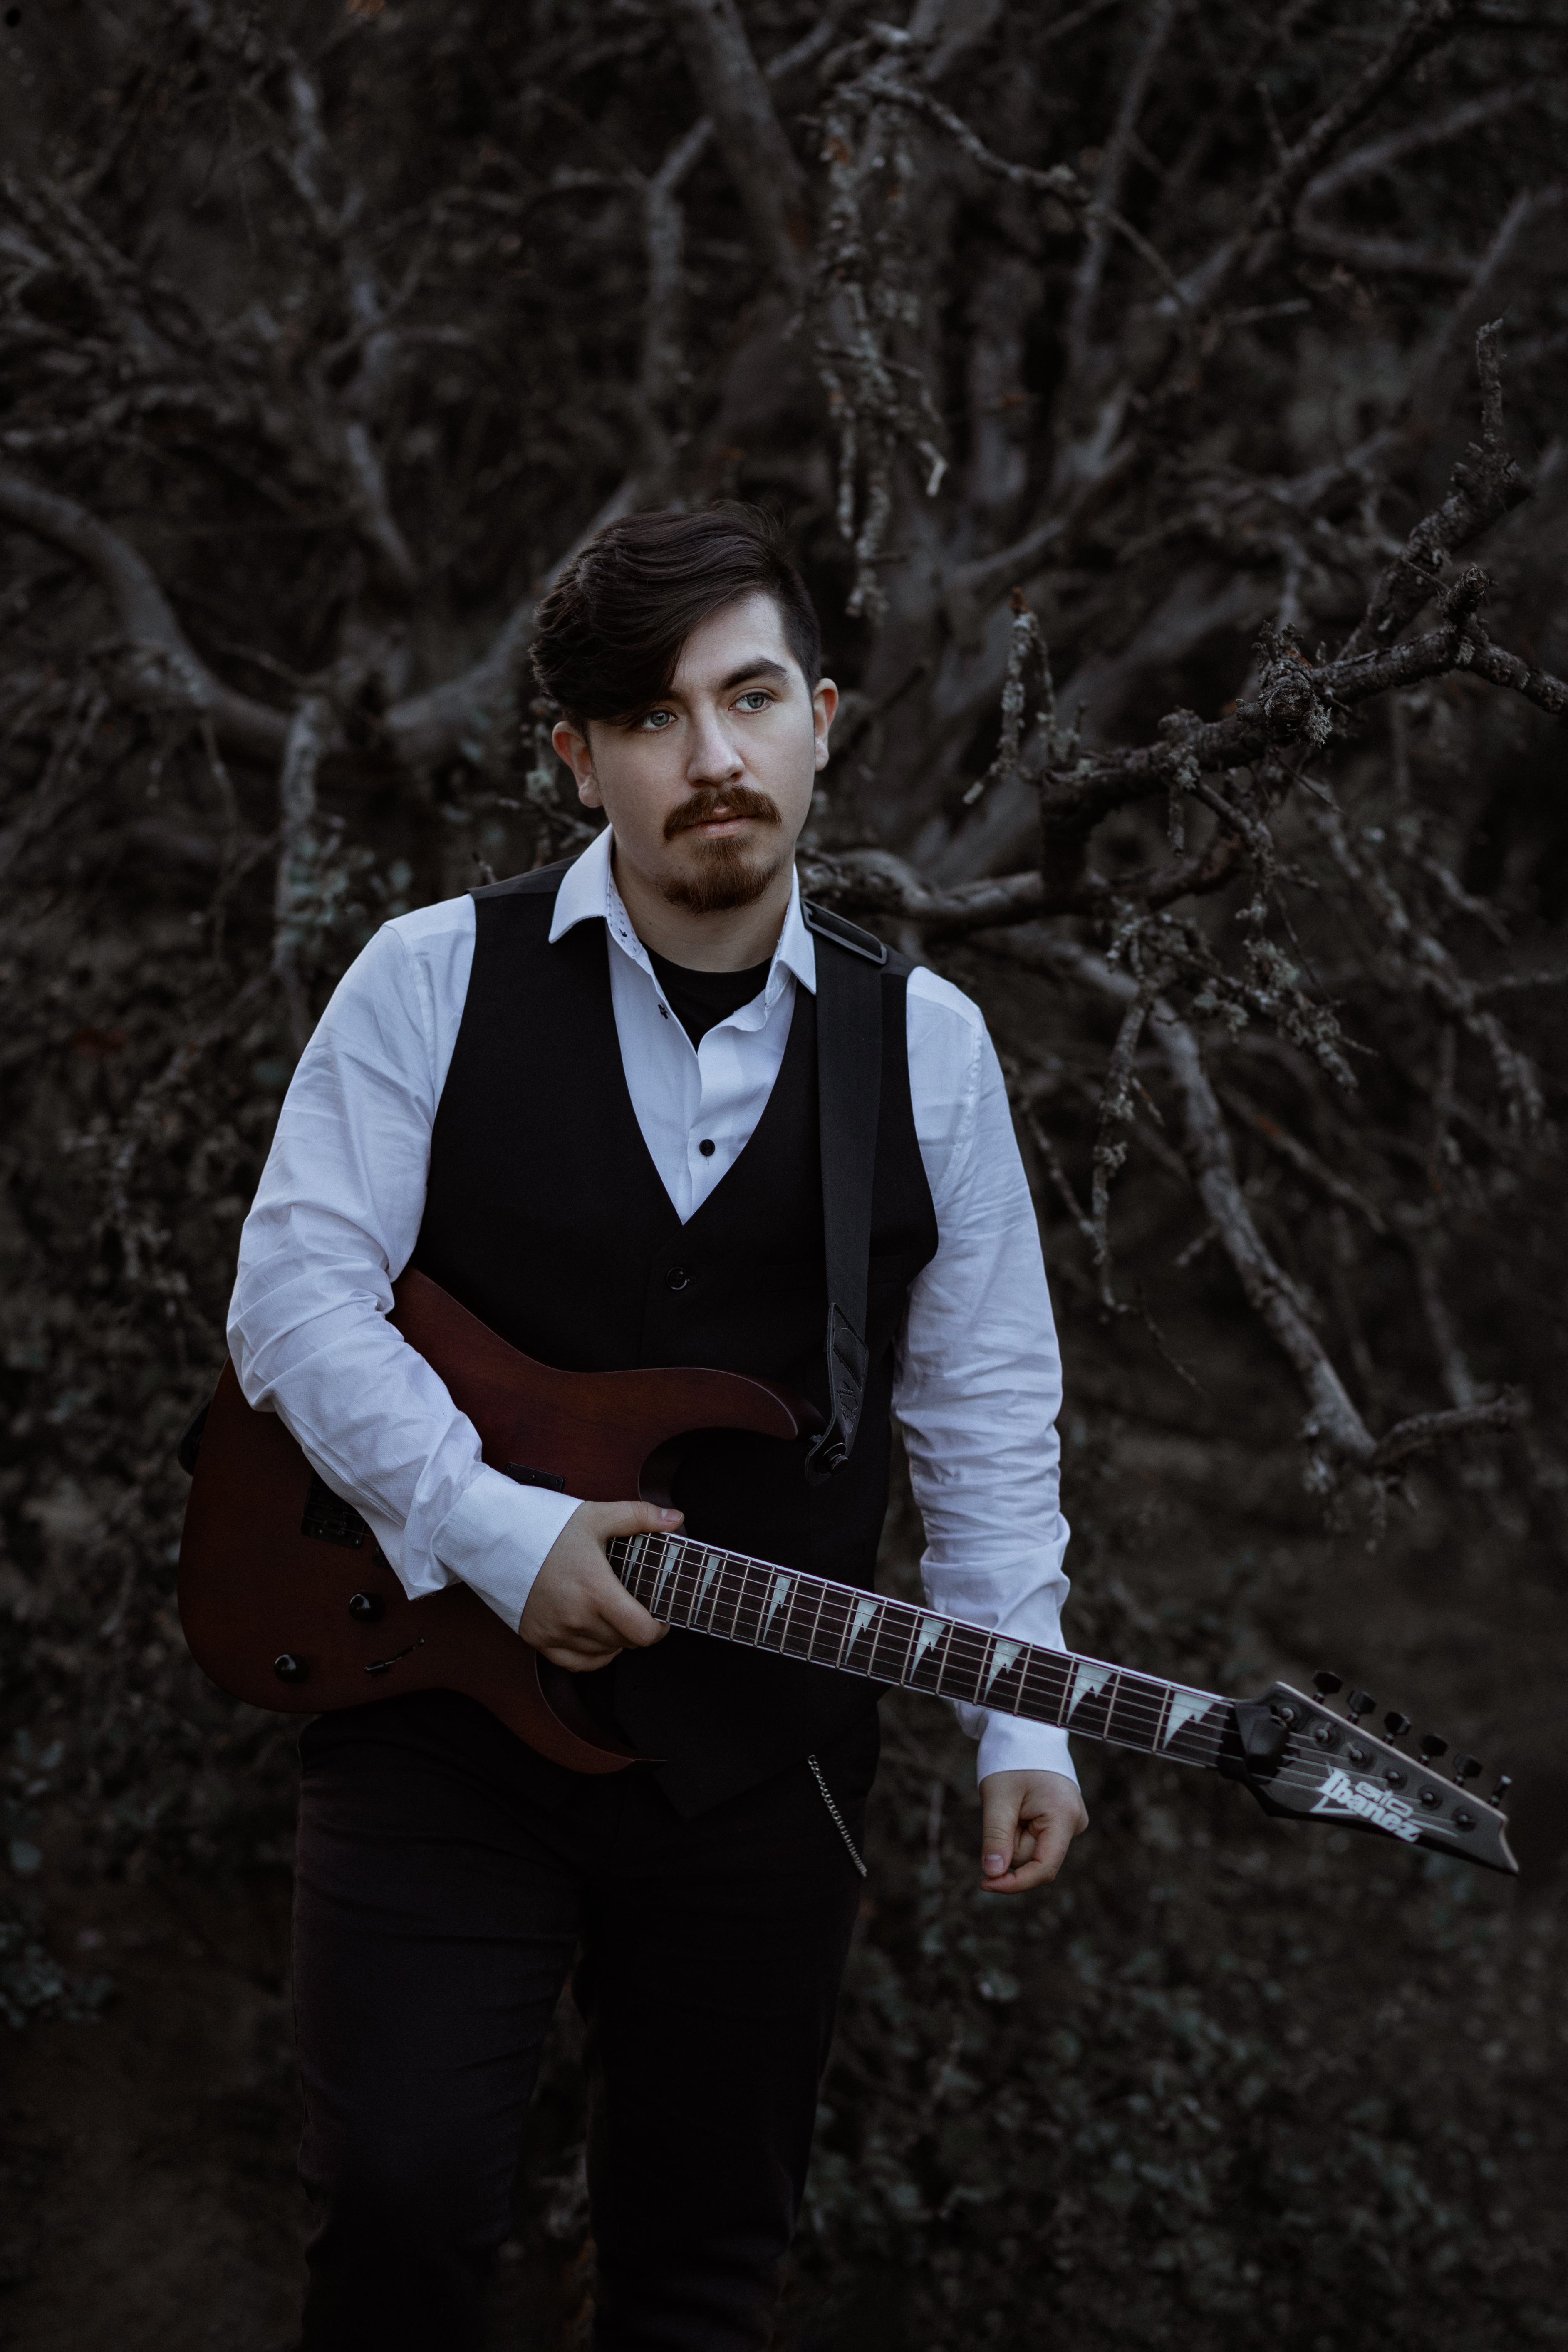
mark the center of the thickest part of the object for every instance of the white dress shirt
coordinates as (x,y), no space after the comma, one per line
(337,1214)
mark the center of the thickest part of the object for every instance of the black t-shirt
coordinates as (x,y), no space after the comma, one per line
(701,1000)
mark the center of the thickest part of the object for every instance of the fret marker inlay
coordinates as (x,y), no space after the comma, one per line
(931,1633)
(1186,1707)
(667,1569)
(1003,1658)
(779,1594)
(1088,1681)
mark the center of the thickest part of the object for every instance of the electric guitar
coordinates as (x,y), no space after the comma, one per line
(287,1603)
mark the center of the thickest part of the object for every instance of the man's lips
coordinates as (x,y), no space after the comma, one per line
(725,822)
(716,816)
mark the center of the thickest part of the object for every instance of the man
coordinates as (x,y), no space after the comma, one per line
(585,1102)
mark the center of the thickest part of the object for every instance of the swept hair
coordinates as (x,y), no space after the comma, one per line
(610,631)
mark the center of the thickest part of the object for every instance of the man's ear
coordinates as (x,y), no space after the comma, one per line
(824,707)
(572,747)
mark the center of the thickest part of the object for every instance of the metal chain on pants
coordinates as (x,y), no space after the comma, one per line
(837,1816)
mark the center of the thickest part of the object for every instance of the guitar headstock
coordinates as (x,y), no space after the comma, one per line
(1298,1757)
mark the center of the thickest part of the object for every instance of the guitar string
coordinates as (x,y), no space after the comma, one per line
(1138,1696)
(1139,1700)
(1135,1694)
(690,1555)
(1286,1777)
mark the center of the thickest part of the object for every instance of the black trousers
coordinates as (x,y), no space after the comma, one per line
(446,1878)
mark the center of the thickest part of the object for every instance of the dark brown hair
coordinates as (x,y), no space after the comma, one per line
(610,631)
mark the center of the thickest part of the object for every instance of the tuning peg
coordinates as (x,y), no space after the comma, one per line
(1432,1747)
(1326,1683)
(1466,1768)
(1499,1795)
(1395,1724)
(1359,1703)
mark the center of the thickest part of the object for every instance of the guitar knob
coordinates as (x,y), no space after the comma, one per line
(1395,1724)
(367,1608)
(1432,1747)
(290,1669)
(1466,1768)
(1499,1795)
(1359,1703)
(1326,1683)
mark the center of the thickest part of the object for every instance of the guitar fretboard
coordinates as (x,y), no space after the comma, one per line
(764,1607)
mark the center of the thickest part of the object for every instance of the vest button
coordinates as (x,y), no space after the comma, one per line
(677,1278)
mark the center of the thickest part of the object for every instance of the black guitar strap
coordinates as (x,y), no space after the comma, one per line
(850,1089)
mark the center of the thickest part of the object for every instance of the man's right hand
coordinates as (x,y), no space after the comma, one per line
(579,1614)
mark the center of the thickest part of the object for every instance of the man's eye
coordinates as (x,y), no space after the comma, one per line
(756,697)
(658,720)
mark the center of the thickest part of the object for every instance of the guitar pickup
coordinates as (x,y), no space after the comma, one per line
(330,1519)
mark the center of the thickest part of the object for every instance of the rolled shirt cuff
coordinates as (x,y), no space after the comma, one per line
(497,1536)
(1009,1743)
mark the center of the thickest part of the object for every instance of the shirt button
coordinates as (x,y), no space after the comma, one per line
(677,1278)
(707,1147)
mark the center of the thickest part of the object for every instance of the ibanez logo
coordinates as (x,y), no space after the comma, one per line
(1369,1803)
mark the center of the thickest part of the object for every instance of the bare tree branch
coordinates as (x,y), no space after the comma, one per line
(169,669)
(1333,1420)
(757,155)
(1482,488)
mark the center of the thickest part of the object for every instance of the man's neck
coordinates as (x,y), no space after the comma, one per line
(732,941)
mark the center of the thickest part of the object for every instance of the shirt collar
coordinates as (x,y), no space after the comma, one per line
(588,889)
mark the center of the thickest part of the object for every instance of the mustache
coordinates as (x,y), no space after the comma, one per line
(719,801)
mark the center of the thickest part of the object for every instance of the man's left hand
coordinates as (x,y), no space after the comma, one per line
(1027,1821)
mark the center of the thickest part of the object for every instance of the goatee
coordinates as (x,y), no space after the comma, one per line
(731,874)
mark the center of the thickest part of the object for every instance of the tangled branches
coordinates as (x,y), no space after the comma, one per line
(1115,369)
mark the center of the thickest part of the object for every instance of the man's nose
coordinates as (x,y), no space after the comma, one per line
(714,759)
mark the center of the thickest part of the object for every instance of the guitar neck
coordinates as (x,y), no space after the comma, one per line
(765,1607)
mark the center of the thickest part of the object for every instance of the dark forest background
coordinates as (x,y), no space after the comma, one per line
(1167,403)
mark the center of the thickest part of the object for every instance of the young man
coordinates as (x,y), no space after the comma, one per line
(585,1102)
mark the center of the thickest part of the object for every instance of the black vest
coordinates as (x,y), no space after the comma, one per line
(545,1215)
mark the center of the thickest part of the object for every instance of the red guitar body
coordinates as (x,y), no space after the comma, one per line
(265,1605)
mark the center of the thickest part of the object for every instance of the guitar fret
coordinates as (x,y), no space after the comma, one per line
(629,1553)
(711,1568)
(780,1596)
(1041,1687)
(928,1638)
(668,1569)
(730,1593)
(1186,1735)
(1086,1684)
(832,1623)
(793,1642)
(1137,1713)
(859,1619)
(897,1630)
(1053,1673)
(683,1585)
(958,1676)
(749,1603)
(651,1562)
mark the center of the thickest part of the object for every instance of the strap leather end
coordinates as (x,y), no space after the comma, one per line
(849,1362)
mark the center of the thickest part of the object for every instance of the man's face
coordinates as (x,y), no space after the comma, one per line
(707,792)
